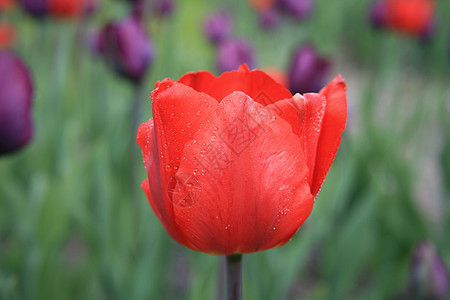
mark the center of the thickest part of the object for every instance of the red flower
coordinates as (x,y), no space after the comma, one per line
(7,35)
(414,17)
(234,162)
(6,4)
(71,8)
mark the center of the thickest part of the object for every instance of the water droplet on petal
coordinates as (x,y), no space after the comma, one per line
(188,187)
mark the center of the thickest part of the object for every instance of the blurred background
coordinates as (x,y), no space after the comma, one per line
(75,81)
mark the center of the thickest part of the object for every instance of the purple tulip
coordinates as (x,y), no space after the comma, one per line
(36,8)
(218,27)
(269,19)
(232,53)
(307,71)
(90,7)
(127,47)
(16,93)
(164,7)
(429,275)
(377,13)
(299,9)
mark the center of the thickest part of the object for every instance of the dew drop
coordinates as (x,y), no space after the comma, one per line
(199,113)
(188,187)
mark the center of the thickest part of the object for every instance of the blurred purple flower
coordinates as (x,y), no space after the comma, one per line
(127,47)
(378,13)
(308,71)
(429,275)
(16,93)
(269,18)
(36,8)
(164,7)
(232,53)
(91,6)
(218,27)
(299,9)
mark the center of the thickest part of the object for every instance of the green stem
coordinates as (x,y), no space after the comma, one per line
(234,277)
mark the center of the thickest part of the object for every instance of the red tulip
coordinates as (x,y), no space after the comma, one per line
(261,5)
(413,17)
(7,35)
(71,8)
(6,4)
(235,162)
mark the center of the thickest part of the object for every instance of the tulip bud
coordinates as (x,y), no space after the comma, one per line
(71,8)
(90,7)
(299,9)
(164,7)
(66,8)
(6,4)
(261,5)
(378,14)
(412,17)
(269,19)
(233,53)
(429,275)
(307,71)
(16,94)
(127,47)
(7,35)
(36,8)
(218,27)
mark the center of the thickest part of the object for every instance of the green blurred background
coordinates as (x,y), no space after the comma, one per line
(74,223)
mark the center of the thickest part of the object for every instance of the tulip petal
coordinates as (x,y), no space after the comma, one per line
(333,125)
(256,84)
(157,197)
(200,81)
(244,169)
(178,112)
(305,115)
